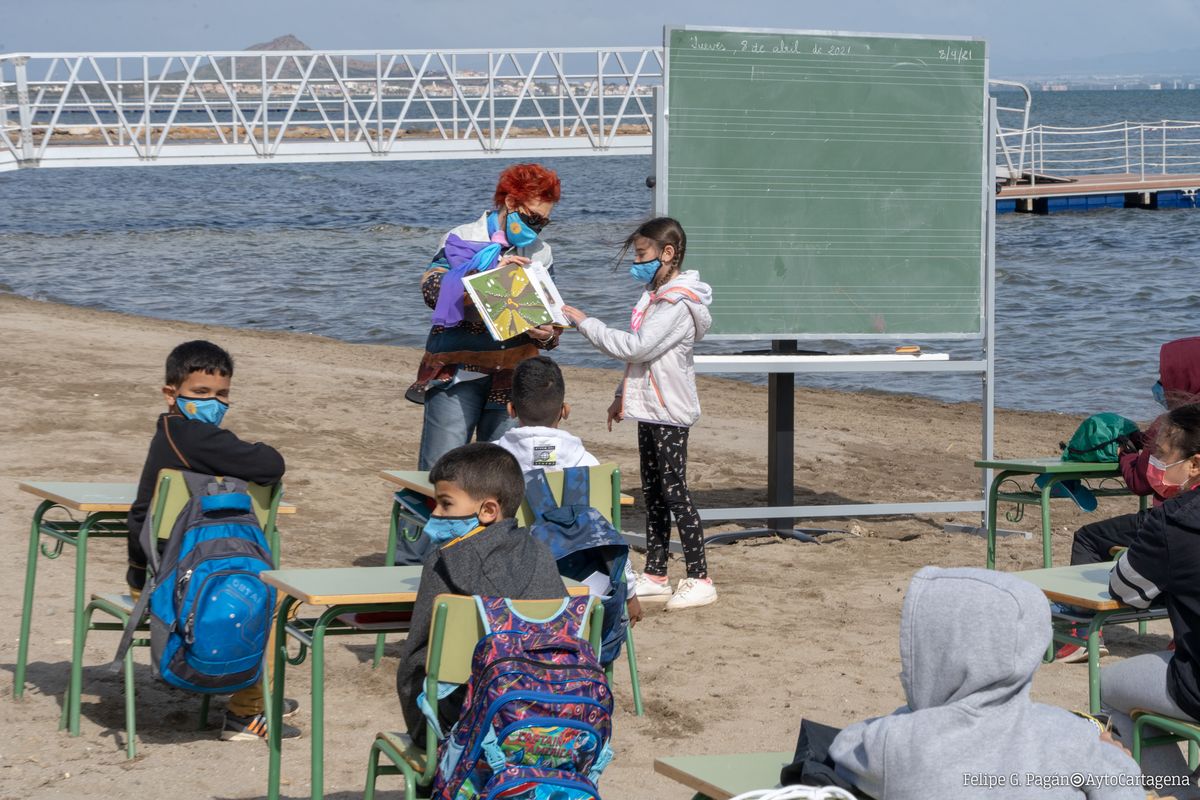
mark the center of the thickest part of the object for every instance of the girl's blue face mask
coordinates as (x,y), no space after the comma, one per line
(644,271)
(445,529)
(1160,394)
(203,409)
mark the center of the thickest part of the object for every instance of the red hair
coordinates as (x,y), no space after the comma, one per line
(525,182)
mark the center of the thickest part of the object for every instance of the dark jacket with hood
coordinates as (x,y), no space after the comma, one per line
(499,561)
(189,444)
(1164,560)
(970,641)
(1179,373)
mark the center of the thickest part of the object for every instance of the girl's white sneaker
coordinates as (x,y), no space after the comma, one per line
(692,593)
(648,588)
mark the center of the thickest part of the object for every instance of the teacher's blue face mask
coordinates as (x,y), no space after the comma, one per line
(203,409)
(644,271)
(445,529)
(518,231)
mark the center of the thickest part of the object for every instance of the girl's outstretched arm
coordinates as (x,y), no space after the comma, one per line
(661,331)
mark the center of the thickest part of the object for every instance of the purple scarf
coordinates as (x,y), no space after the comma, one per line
(464,258)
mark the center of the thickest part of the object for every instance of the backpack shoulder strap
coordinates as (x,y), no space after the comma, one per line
(576,487)
(131,628)
(537,493)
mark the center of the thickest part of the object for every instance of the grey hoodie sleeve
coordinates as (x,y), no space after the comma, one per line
(859,752)
(1103,762)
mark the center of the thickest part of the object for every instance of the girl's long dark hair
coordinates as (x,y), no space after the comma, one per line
(662,231)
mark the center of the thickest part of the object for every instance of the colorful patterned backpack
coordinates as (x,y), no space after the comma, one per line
(537,718)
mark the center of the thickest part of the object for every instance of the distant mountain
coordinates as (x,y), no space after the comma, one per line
(249,68)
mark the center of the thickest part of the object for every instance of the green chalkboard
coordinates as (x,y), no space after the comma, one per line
(831,185)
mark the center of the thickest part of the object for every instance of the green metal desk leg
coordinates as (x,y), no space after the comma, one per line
(275,720)
(993,490)
(31,565)
(390,559)
(1093,648)
(1047,556)
(633,673)
(75,687)
(318,700)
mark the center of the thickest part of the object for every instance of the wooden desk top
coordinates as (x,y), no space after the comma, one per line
(418,481)
(1052,465)
(345,585)
(1082,585)
(721,777)
(94,497)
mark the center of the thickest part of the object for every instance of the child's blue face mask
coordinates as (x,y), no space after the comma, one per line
(204,409)
(1160,394)
(445,529)
(644,271)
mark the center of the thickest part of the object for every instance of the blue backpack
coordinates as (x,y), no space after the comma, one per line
(210,612)
(583,542)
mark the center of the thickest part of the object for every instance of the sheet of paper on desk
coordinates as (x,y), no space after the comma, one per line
(512,299)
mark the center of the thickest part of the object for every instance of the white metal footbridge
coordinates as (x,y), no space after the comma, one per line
(263,106)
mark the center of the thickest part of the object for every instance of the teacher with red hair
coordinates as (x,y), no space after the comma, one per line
(465,377)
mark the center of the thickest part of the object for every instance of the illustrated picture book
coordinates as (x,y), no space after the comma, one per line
(512,299)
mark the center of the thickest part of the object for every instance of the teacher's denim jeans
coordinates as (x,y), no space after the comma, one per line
(457,413)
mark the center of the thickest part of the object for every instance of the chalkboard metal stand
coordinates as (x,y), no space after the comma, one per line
(781,444)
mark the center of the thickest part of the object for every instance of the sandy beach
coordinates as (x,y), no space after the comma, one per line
(799,631)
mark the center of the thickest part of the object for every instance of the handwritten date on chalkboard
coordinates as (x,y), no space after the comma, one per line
(781,47)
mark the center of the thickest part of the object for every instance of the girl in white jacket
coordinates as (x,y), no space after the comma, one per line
(659,391)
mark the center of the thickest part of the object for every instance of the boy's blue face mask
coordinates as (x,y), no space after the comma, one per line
(644,271)
(446,529)
(1160,394)
(204,409)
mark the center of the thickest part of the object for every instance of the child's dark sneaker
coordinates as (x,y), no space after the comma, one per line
(290,706)
(244,729)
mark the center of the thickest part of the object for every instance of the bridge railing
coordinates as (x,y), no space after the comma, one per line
(72,109)
(1141,149)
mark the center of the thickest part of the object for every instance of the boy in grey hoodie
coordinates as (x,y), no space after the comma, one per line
(969,729)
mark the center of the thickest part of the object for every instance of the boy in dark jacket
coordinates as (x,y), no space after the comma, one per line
(480,551)
(189,437)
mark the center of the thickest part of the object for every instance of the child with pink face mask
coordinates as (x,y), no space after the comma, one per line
(1163,564)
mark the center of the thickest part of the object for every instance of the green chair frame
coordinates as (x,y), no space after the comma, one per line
(168,501)
(457,628)
(1176,730)
(602,475)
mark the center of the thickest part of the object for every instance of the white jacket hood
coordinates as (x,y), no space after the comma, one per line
(536,447)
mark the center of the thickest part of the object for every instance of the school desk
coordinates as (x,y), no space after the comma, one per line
(1102,478)
(1085,587)
(339,591)
(721,777)
(104,507)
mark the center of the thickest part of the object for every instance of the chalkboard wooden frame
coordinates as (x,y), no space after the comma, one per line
(972,313)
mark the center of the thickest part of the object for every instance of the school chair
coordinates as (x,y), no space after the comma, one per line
(1176,730)
(457,629)
(604,485)
(170,496)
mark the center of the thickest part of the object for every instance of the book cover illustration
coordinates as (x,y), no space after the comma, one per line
(512,299)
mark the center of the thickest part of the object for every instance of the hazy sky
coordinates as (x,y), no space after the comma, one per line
(1018,31)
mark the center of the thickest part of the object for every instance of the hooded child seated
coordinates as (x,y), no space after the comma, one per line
(970,641)
(480,551)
